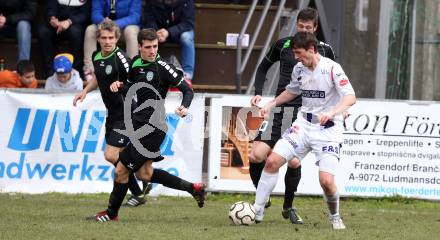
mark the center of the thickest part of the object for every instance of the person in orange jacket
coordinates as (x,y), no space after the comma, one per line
(24,77)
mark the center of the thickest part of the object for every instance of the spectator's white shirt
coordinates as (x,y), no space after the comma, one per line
(322,88)
(72,3)
(75,82)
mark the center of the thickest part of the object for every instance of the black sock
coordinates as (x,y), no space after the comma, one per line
(133,185)
(255,170)
(116,198)
(169,180)
(291,181)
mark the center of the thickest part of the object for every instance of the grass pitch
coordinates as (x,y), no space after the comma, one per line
(62,217)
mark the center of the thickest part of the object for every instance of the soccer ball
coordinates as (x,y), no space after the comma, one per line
(242,213)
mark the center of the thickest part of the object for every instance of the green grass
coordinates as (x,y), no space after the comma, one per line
(61,216)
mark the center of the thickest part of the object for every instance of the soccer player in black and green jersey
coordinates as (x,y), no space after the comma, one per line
(112,64)
(156,76)
(270,131)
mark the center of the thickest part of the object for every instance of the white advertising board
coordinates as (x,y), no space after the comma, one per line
(48,145)
(390,148)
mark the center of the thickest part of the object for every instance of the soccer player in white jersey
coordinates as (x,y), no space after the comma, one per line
(326,93)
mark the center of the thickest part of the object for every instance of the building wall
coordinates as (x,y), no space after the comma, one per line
(359,46)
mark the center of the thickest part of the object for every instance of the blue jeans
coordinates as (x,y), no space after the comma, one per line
(186,41)
(22,31)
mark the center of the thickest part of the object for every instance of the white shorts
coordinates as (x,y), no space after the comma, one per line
(304,137)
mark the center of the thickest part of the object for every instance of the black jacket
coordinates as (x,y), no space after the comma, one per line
(176,19)
(77,11)
(16,10)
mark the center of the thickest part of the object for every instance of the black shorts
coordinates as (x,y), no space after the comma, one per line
(114,138)
(271,130)
(132,156)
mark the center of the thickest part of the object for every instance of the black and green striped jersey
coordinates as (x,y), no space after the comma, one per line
(108,69)
(159,76)
(282,51)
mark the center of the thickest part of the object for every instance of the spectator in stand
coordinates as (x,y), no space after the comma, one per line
(15,20)
(64,20)
(65,77)
(174,22)
(125,13)
(23,78)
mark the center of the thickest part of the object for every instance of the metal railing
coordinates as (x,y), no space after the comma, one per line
(241,63)
(273,76)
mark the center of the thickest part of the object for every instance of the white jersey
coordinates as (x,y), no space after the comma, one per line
(322,88)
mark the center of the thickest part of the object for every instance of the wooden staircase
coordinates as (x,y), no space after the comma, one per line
(241,145)
(215,62)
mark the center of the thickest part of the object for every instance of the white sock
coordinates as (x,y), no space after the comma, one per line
(333,203)
(265,187)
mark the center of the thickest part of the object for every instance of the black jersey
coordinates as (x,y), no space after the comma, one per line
(282,51)
(160,76)
(109,69)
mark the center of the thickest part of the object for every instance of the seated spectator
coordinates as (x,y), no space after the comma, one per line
(64,20)
(23,78)
(125,13)
(15,21)
(174,22)
(64,77)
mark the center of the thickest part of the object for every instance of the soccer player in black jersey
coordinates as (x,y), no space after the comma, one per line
(112,64)
(270,131)
(150,77)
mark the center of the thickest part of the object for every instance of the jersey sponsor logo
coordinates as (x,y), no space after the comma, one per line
(150,76)
(290,140)
(331,149)
(299,71)
(313,94)
(343,82)
(108,69)
(325,71)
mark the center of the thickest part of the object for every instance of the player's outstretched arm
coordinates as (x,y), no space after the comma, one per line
(93,83)
(346,102)
(284,97)
(187,94)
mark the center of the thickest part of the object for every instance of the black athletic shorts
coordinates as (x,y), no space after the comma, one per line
(271,130)
(132,157)
(114,138)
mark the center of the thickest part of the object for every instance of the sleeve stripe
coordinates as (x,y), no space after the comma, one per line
(333,79)
(181,80)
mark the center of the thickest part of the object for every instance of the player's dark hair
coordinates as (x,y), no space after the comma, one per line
(148,34)
(308,14)
(305,40)
(110,26)
(25,66)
